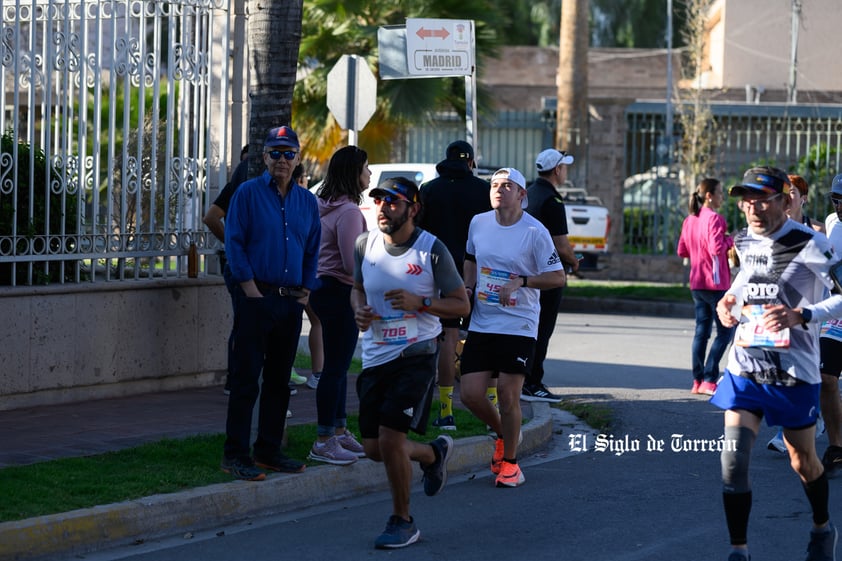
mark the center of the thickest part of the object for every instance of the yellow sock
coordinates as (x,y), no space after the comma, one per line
(491,394)
(446,399)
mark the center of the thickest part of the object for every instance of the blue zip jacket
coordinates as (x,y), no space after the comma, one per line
(270,238)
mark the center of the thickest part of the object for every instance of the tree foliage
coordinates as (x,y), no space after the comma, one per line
(332,28)
(637,24)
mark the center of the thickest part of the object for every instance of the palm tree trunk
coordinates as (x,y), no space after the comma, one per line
(572,108)
(274,36)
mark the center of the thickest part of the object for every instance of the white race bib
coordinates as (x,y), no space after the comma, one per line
(489,283)
(751,333)
(394,330)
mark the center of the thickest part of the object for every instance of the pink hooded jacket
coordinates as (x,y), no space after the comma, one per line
(342,223)
(705,241)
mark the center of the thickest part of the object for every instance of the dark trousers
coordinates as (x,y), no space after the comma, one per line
(550,302)
(265,340)
(707,369)
(232,286)
(332,304)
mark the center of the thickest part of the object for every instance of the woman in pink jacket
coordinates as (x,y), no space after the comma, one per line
(704,240)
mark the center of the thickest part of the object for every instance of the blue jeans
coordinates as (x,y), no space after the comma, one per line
(265,340)
(332,304)
(707,370)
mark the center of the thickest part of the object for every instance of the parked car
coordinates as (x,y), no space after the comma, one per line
(588,223)
(653,209)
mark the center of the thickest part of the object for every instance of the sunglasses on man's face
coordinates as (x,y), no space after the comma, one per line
(287,154)
(835,201)
(388,199)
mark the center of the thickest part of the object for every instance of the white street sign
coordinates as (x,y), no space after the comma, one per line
(351,92)
(439,47)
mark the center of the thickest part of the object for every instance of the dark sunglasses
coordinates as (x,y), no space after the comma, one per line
(835,201)
(287,154)
(388,199)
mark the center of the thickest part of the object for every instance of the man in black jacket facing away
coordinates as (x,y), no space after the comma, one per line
(449,202)
(546,205)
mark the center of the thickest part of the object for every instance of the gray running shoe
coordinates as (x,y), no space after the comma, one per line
(435,474)
(398,533)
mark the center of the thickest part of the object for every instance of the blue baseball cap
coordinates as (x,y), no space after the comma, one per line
(765,179)
(836,188)
(282,136)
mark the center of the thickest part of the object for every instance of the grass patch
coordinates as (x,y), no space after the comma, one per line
(166,466)
(633,290)
(595,415)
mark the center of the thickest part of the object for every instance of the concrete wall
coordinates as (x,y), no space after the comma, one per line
(78,342)
(754,43)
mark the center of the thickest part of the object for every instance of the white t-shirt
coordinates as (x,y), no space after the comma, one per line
(832,328)
(503,253)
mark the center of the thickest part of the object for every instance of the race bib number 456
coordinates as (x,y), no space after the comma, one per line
(489,283)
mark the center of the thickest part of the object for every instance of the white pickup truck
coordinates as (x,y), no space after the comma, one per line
(588,223)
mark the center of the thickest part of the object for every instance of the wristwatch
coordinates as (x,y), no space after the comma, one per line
(806,316)
(425,304)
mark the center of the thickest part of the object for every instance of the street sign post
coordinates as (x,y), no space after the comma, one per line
(351,94)
(439,47)
(433,48)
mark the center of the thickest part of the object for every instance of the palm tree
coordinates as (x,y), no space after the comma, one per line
(572,108)
(332,28)
(274,35)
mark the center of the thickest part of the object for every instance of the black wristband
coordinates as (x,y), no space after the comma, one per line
(523,280)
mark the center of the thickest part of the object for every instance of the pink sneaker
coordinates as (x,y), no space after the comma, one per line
(707,388)
(351,444)
(696,385)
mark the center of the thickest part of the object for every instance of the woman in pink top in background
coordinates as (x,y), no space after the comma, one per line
(339,198)
(705,242)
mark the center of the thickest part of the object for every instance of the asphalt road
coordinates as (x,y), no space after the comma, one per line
(623,503)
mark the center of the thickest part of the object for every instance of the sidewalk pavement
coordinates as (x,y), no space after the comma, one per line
(42,433)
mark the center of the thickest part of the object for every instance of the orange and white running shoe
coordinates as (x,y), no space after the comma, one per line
(497,458)
(510,475)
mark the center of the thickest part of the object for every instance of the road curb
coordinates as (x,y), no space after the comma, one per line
(90,529)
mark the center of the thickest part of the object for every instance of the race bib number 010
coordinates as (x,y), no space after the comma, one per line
(489,283)
(395,330)
(751,333)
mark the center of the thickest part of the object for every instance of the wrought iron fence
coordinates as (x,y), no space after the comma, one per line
(114,119)
(806,140)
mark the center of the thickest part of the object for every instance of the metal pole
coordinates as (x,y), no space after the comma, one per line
(793,59)
(668,125)
(351,100)
(471,99)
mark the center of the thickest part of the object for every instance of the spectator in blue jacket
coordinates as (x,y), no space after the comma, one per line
(272,236)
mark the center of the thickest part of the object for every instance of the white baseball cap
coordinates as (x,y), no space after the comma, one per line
(551,158)
(515,177)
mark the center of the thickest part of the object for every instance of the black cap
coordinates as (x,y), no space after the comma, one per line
(459,150)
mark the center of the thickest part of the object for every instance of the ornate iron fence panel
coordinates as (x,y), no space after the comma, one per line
(113,122)
(806,140)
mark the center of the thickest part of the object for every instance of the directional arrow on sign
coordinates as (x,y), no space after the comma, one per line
(425,33)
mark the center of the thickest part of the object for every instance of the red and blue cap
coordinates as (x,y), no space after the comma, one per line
(764,179)
(282,136)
